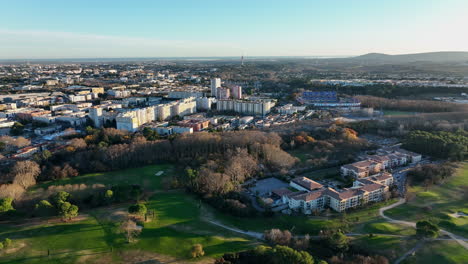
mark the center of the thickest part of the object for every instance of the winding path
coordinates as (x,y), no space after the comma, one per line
(459,240)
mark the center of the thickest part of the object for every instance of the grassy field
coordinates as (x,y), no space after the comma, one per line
(351,221)
(389,246)
(446,252)
(396,113)
(178,226)
(439,202)
(181,222)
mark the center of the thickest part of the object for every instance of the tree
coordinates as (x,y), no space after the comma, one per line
(108,196)
(44,208)
(130,229)
(197,251)
(60,197)
(78,143)
(138,209)
(427,229)
(43,156)
(7,242)
(17,129)
(67,211)
(6,205)
(283,254)
(276,236)
(338,241)
(24,173)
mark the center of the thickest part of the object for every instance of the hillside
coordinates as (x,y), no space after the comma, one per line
(443,56)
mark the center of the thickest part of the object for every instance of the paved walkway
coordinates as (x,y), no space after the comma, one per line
(247,233)
(458,239)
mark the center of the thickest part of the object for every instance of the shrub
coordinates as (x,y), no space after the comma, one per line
(138,209)
(6,205)
(7,243)
(197,251)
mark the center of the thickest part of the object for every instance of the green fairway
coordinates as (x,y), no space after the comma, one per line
(144,176)
(181,221)
(446,252)
(62,241)
(391,247)
(177,227)
(382,227)
(350,222)
(439,203)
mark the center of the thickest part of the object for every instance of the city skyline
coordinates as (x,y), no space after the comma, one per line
(56,29)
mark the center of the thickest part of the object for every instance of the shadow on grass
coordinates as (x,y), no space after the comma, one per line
(58,255)
(51,230)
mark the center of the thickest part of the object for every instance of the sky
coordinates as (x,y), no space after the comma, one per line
(40,29)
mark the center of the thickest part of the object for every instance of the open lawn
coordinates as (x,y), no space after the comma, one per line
(144,176)
(389,246)
(446,252)
(177,227)
(300,224)
(397,113)
(181,221)
(438,203)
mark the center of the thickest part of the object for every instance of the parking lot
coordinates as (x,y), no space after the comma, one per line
(265,186)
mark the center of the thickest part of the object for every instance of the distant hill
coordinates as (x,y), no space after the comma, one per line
(442,56)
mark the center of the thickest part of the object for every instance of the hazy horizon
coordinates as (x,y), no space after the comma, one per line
(55,29)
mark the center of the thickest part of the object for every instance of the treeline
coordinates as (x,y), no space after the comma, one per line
(402,125)
(330,146)
(430,174)
(441,144)
(332,246)
(380,90)
(227,158)
(410,105)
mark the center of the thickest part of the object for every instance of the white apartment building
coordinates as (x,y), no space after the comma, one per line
(260,107)
(184,94)
(312,196)
(204,103)
(289,109)
(133,119)
(215,84)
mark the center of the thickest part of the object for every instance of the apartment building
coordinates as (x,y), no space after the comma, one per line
(215,84)
(312,196)
(223,93)
(131,120)
(259,107)
(362,169)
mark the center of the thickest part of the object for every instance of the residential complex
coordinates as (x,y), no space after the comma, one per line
(386,159)
(312,196)
(258,107)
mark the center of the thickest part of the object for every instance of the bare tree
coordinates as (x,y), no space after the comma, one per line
(276,236)
(24,173)
(130,229)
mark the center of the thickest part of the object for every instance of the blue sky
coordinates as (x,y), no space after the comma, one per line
(154,28)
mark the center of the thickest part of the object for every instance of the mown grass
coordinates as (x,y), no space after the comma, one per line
(389,246)
(177,227)
(301,224)
(446,252)
(438,202)
(65,241)
(382,227)
(144,176)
